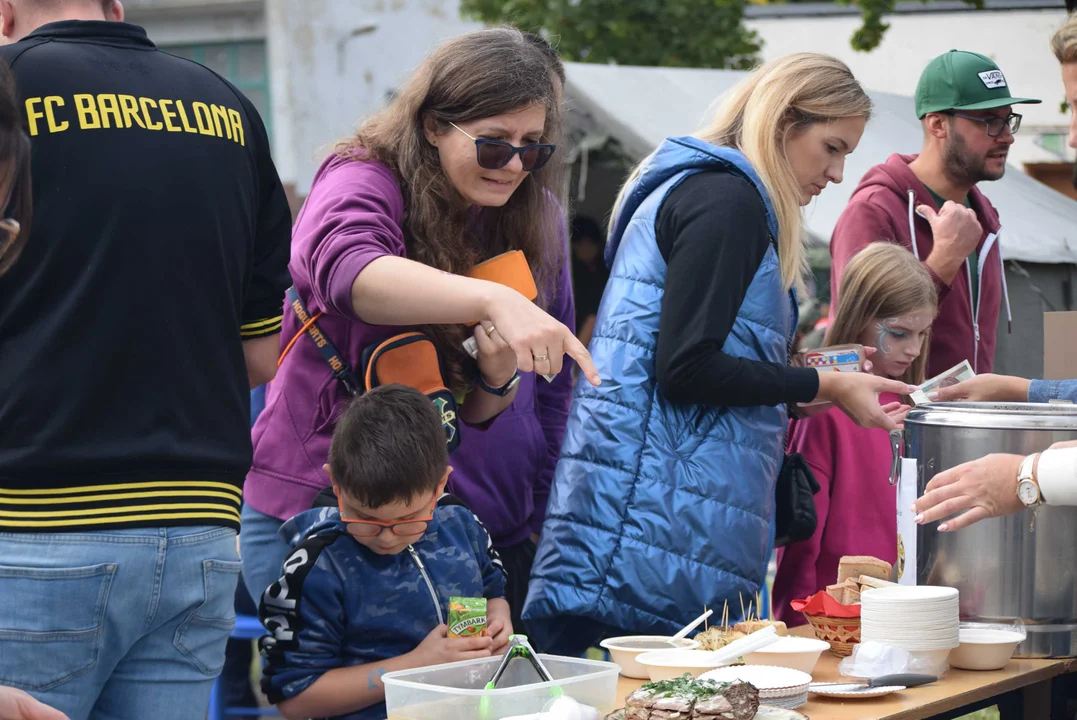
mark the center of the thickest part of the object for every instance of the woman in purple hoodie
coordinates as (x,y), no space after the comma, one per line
(453,172)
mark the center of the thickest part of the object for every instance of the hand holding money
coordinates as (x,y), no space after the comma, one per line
(984,388)
(952,377)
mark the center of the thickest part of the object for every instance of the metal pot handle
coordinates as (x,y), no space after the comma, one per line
(895,449)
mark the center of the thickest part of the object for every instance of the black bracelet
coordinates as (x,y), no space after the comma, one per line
(500,391)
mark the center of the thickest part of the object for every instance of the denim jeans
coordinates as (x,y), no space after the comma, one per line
(262,549)
(117,624)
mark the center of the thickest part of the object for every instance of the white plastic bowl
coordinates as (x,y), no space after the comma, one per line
(626,649)
(670,664)
(799,653)
(985,648)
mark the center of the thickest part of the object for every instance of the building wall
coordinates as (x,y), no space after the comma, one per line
(1017,39)
(188,22)
(334,61)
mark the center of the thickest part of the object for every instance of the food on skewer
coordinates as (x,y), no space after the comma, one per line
(750,626)
(717,637)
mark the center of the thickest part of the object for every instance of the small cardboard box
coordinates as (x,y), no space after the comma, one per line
(1059,345)
(838,358)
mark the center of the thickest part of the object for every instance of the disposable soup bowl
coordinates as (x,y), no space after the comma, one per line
(625,650)
(669,664)
(799,653)
(985,648)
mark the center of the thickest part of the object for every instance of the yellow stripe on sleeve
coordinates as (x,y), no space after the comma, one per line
(232,512)
(119,520)
(262,323)
(238,492)
(117,496)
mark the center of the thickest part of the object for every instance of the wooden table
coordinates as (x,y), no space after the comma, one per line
(957,690)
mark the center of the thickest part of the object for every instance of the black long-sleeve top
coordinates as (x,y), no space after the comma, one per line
(712,231)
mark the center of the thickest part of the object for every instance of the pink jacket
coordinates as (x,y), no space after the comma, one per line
(856,505)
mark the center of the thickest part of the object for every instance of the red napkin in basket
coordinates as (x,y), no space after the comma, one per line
(822,604)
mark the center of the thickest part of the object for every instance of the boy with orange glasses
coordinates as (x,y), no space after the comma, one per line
(366,590)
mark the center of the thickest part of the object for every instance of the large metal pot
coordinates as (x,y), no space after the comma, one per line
(1004,571)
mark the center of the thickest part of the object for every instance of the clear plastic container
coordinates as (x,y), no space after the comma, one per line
(455,691)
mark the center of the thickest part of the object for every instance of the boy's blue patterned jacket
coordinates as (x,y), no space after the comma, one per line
(338,604)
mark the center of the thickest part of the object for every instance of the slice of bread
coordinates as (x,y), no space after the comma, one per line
(850,595)
(836,591)
(852,567)
(866,581)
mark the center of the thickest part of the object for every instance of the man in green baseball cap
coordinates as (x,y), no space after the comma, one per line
(930,204)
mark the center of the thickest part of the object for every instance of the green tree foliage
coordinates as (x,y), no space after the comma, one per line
(868,36)
(671,33)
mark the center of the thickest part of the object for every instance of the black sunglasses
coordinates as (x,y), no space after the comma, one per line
(496,154)
(995,125)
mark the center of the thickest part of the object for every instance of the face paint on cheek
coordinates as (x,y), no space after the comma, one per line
(885,333)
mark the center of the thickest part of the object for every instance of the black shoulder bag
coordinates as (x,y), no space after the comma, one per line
(794,494)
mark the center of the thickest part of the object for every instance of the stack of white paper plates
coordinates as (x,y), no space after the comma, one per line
(778,686)
(922,619)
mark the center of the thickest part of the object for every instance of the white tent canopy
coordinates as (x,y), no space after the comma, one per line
(641,106)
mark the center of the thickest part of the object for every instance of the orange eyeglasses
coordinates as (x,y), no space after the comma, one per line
(373,528)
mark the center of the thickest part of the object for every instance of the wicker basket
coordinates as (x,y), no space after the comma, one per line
(841,633)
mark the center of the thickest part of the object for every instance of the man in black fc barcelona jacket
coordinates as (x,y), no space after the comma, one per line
(145,304)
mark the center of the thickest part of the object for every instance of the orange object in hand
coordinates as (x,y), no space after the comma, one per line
(509,269)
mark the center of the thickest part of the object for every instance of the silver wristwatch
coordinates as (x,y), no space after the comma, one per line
(1028,490)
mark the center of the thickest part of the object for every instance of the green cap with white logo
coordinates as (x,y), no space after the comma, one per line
(960,80)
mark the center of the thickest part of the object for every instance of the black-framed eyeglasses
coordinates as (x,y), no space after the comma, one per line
(995,125)
(496,154)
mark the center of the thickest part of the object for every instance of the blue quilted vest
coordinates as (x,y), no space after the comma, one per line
(658,509)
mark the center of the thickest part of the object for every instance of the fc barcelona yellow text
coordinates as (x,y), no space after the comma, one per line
(56,114)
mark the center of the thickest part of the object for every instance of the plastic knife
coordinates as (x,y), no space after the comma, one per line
(905,679)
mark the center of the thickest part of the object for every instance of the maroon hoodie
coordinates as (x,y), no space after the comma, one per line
(882,208)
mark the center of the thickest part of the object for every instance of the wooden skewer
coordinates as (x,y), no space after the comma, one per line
(725,615)
(741,598)
(706,626)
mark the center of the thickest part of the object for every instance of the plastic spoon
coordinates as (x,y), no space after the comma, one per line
(690,627)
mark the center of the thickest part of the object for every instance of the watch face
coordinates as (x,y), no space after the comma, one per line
(1028,493)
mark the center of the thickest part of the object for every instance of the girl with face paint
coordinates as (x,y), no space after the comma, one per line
(887,302)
